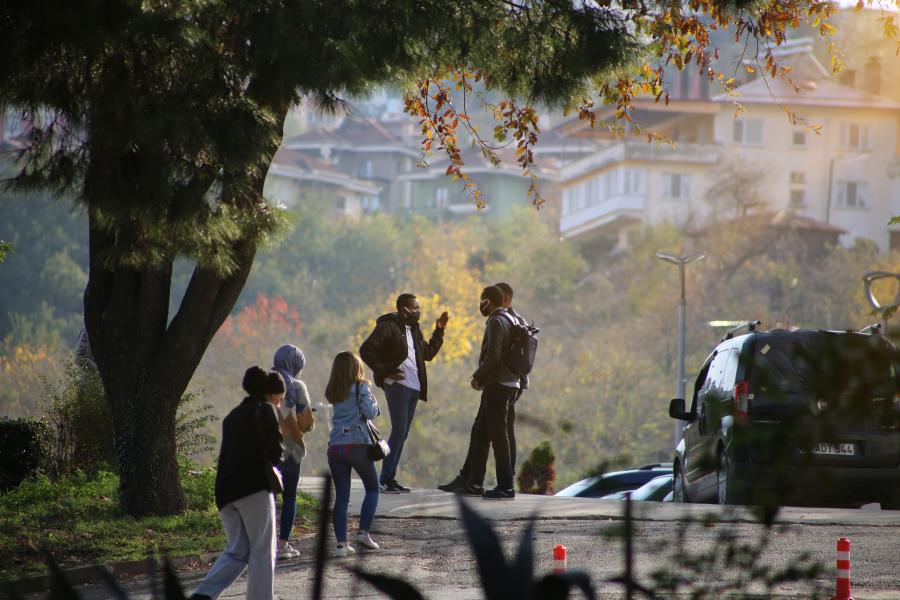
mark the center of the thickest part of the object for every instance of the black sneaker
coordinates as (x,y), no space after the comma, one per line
(470,490)
(388,488)
(392,487)
(498,494)
(451,488)
(400,487)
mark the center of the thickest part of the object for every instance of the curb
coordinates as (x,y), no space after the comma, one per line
(98,573)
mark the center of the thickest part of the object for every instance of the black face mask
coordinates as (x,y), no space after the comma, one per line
(410,316)
(483,307)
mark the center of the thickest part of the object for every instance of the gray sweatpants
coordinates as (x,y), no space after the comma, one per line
(250,533)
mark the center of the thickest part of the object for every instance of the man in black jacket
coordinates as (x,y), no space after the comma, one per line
(464,483)
(499,388)
(396,352)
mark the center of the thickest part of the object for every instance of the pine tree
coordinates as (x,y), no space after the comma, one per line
(162,118)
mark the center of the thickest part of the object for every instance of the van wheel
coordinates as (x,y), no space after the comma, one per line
(679,494)
(725,481)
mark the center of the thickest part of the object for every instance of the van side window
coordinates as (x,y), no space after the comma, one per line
(715,379)
(731,371)
(699,386)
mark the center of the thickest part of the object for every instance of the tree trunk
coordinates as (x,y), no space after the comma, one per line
(146,362)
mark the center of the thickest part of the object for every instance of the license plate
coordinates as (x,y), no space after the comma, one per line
(847,449)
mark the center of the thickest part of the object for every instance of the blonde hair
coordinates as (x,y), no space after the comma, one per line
(347,369)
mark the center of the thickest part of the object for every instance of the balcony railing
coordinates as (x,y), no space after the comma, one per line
(622,207)
(642,151)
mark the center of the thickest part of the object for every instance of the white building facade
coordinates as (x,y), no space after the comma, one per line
(839,164)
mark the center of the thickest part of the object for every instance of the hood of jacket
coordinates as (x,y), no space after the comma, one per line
(290,360)
(392,316)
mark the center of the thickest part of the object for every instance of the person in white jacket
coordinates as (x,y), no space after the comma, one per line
(296,418)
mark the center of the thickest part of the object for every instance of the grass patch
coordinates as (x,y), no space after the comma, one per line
(78,519)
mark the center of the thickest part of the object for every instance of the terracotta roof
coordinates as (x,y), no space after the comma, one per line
(302,160)
(813,92)
(353,131)
(783,219)
(294,164)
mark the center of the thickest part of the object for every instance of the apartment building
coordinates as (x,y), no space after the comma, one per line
(365,150)
(837,164)
(296,176)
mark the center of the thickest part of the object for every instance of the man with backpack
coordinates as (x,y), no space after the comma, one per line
(500,387)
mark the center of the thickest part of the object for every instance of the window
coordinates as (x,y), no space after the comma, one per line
(895,240)
(798,198)
(848,78)
(798,178)
(799,137)
(440,197)
(852,194)
(633,181)
(676,186)
(748,131)
(370,203)
(598,189)
(340,203)
(854,136)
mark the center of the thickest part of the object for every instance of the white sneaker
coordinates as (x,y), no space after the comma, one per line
(342,550)
(365,540)
(286,551)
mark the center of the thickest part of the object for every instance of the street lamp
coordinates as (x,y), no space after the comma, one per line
(681,261)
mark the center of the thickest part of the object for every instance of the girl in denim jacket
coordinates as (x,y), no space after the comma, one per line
(348,448)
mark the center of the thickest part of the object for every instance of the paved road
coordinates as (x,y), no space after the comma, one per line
(423,541)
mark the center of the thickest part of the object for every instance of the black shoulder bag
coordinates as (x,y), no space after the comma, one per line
(379,447)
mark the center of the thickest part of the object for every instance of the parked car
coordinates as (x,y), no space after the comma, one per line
(655,490)
(616,481)
(792,415)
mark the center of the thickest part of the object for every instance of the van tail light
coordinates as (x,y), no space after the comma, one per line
(741,402)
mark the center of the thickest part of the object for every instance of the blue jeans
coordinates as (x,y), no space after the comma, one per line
(402,403)
(288,503)
(341,460)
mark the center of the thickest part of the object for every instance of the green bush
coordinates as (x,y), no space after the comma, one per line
(191,427)
(83,427)
(82,424)
(24,450)
(538,472)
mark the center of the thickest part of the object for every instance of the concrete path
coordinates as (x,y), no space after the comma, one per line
(440,505)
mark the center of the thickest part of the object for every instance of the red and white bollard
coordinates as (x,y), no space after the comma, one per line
(559,559)
(842,591)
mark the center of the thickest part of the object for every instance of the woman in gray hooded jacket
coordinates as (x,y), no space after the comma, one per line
(295,417)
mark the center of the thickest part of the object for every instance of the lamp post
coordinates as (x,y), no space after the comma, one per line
(681,261)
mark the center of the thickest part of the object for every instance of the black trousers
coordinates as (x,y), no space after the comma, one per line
(494,427)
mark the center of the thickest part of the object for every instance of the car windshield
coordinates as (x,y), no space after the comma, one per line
(824,363)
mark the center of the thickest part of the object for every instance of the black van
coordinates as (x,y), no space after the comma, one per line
(792,415)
